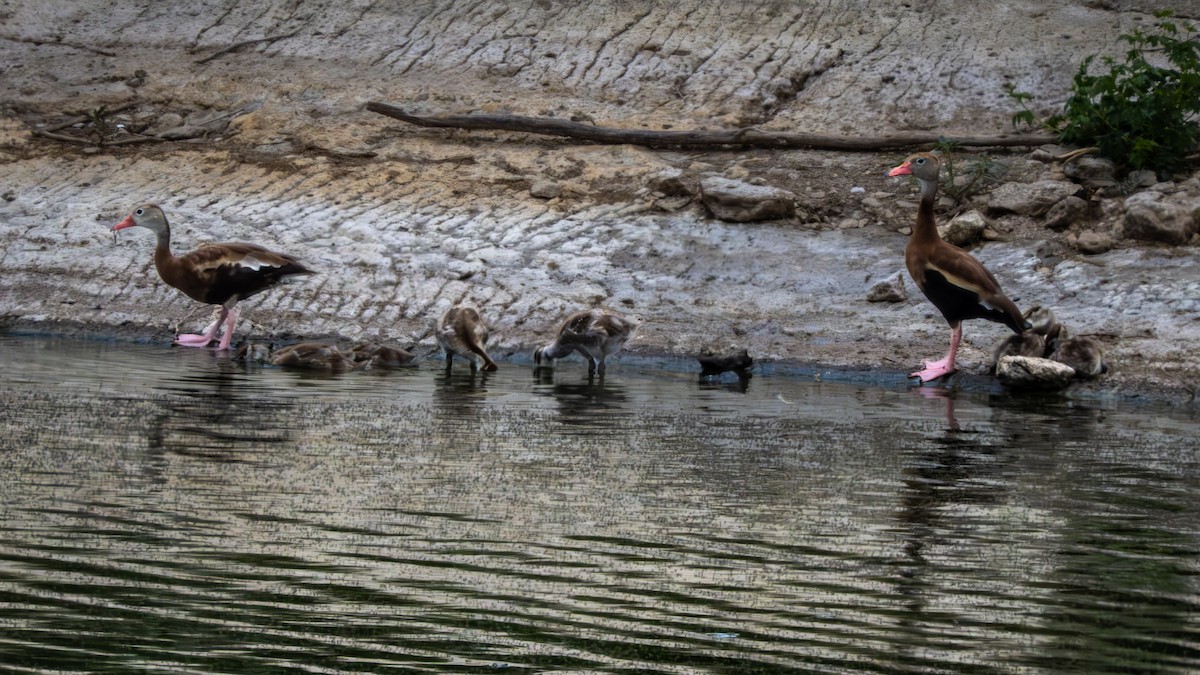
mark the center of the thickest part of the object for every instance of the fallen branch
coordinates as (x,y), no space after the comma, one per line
(750,136)
(244,43)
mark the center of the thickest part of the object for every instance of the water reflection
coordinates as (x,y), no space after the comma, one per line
(640,523)
(582,400)
(212,409)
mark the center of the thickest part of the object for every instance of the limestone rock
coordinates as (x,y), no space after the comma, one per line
(740,202)
(964,230)
(1091,242)
(1070,210)
(888,291)
(1032,372)
(1150,217)
(545,189)
(1030,199)
(1092,171)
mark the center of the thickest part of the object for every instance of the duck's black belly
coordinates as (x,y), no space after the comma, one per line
(956,303)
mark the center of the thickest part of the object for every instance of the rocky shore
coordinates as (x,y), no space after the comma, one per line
(257,132)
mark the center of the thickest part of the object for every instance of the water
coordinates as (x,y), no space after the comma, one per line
(165,509)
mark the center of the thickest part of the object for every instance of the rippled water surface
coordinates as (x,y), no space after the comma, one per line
(166,509)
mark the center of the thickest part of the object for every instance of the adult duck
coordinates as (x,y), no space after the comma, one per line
(462,331)
(955,282)
(217,274)
(594,333)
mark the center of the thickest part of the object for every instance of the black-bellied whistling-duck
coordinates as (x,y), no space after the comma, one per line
(594,333)
(218,274)
(956,283)
(462,331)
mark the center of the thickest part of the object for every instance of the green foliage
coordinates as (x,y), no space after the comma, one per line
(974,177)
(1141,115)
(103,127)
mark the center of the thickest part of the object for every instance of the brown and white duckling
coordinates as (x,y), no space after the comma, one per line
(1082,353)
(1029,343)
(594,333)
(375,355)
(462,331)
(1042,321)
(312,356)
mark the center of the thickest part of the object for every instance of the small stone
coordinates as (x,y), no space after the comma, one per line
(964,230)
(740,202)
(1092,242)
(1141,178)
(1070,210)
(545,189)
(1030,199)
(888,291)
(1033,373)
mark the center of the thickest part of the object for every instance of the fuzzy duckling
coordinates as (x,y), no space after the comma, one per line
(1041,320)
(375,355)
(1082,353)
(312,356)
(462,331)
(594,333)
(1028,343)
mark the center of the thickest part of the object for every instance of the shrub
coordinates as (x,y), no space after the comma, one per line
(1140,115)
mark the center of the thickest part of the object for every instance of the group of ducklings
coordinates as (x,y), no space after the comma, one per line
(462,331)
(1047,338)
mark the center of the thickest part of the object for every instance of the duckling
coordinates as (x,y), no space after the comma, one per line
(312,356)
(462,331)
(1082,353)
(1029,343)
(715,363)
(1041,320)
(594,333)
(375,355)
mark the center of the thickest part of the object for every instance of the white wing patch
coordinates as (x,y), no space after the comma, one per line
(254,263)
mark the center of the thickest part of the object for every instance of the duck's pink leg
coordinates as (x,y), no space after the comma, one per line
(230,322)
(945,366)
(194,340)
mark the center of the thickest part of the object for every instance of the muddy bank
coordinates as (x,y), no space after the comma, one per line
(404,222)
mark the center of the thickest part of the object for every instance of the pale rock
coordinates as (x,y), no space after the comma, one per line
(1032,372)
(1150,217)
(965,229)
(1091,242)
(888,291)
(1092,171)
(545,189)
(1030,199)
(740,202)
(1070,210)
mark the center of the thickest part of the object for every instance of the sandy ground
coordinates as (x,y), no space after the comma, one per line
(404,222)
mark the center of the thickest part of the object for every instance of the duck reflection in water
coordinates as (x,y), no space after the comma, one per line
(461,393)
(592,401)
(945,479)
(211,409)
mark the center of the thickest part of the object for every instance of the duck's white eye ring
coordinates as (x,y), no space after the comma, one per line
(920,160)
(139,212)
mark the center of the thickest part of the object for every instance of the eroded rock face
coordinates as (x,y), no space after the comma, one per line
(964,229)
(1066,212)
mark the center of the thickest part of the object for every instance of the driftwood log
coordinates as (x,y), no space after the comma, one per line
(747,137)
